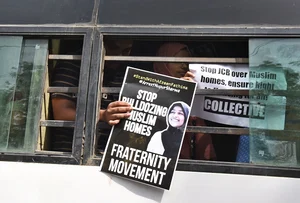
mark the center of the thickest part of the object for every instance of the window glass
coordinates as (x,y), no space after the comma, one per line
(22,68)
(274,121)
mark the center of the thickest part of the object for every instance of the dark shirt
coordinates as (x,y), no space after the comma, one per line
(66,74)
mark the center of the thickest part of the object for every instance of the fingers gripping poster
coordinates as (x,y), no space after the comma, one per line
(264,111)
(145,147)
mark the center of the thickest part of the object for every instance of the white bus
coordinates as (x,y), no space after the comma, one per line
(39,163)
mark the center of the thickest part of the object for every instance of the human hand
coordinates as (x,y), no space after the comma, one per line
(188,76)
(115,111)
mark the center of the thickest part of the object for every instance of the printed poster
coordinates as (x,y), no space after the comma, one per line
(145,147)
(264,111)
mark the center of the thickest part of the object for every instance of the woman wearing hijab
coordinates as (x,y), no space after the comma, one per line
(167,142)
(204,149)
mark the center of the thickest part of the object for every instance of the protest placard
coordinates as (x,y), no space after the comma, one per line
(145,147)
(264,111)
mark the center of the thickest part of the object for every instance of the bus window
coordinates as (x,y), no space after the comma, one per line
(32,78)
(264,145)
(23,65)
(142,56)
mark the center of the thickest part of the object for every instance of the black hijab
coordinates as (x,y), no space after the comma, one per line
(172,136)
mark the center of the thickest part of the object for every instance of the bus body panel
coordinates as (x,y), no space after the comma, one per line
(35,183)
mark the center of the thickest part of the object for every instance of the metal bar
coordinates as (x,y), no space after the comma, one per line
(94,97)
(44,152)
(45,158)
(81,103)
(64,57)
(176,59)
(295,93)
(247,92)
(235,168)
(218,130)
(287,93)
(57,123)
(62,89)
(45,108)
(106,90)
(201,31)
(221,92)
(276,134)
(42,30)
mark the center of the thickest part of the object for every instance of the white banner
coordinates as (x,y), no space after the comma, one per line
(265,112)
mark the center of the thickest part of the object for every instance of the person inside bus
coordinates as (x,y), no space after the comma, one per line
(66,74)
(227,148)
(167,142)
(203,148)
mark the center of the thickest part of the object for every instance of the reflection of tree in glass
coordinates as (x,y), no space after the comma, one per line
(293,84)
(292,77)
(293,112)
(293,108)
(288,50)
(18,99)
(265,148)
(262,143)
(269,64)
(6,95)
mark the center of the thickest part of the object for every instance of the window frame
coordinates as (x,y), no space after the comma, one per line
(79,124)
(182,31)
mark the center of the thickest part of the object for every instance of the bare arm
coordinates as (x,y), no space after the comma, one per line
(63,109)
(115,111)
